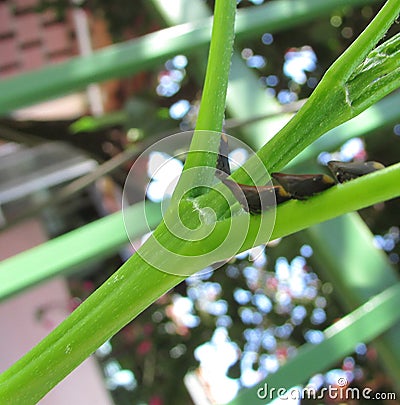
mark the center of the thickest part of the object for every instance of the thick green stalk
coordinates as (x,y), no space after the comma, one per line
(328,106)
(12,271)
(137,284)
(294,216)
(212,107)
(380,70)
(385,113)
(331,104)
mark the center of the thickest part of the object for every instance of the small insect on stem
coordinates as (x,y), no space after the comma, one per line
(256,199)
(223,166)
(302,186)
(346,171)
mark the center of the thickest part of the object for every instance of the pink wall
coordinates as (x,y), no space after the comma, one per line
(28,41)
(21,329)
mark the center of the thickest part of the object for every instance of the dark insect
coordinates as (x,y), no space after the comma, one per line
(222,160)
(348,171)
(301,186)
(255,199)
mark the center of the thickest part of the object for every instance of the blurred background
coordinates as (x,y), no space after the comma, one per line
(66,147)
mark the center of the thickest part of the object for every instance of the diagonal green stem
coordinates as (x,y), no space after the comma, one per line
(379,72)
(329,105)
(136,285)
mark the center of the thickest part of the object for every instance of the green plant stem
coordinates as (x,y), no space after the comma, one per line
(354,55)
(137,284)
(13,276)
(379,72)
(329,105)
(212,106)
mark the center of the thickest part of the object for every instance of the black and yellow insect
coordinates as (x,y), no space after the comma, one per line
(302,186)
(255,199)
(348,171)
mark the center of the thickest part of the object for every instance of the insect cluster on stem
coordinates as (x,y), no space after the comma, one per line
(255,199)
